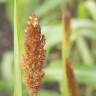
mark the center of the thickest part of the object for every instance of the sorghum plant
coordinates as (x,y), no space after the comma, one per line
(71,82)
(34,55)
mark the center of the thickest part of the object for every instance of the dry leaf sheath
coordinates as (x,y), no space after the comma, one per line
(67,26)
(34,55)
(73,88)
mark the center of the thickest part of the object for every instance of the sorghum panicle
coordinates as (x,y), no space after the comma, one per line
(34,55)
(71,79)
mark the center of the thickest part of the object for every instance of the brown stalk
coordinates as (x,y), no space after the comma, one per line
(73,88)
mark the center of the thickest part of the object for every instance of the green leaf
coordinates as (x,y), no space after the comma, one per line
(47,93)
(84,74)
(91,5)
(45,8)
(84,51)
(7,66)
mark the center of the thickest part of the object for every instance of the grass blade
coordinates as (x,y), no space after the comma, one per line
(17,70)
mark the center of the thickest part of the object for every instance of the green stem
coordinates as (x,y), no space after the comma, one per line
(17,67)
(64,83)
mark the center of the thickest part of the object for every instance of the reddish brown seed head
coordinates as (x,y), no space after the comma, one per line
(73,87)
(34,55)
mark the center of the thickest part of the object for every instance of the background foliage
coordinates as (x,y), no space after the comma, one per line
(83,49)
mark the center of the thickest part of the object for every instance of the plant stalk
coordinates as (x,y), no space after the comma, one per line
(64,83)
(17,67)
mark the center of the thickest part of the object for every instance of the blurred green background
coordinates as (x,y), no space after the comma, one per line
(83,49)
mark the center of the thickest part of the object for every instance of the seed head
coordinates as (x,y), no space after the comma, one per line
(34,55)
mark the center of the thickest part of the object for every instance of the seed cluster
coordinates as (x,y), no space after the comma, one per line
(34,55)
(73,87)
